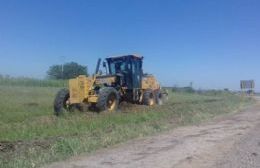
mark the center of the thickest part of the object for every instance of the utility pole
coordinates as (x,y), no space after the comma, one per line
(62,66)
(191,84)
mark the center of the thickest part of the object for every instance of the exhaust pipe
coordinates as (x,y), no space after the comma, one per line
(98,65)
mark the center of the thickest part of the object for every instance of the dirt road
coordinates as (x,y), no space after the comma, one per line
(228,141)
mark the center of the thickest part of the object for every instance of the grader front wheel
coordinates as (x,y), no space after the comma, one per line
(61,102)
(108,100)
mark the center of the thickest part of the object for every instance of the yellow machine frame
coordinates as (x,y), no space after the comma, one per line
(81,88)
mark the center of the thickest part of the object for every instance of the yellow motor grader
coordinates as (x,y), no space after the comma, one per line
(124,81)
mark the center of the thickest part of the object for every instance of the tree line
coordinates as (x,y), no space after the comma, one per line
(66,71)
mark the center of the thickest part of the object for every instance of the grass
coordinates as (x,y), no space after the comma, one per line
(30,135)
(31,82)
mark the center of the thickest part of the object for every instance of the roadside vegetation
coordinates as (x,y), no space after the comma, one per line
(30,135)
(24,81)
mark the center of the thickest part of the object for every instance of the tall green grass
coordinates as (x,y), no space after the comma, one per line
(31,135)
(31,82)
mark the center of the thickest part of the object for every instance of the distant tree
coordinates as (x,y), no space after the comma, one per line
(226,90)
(67,71)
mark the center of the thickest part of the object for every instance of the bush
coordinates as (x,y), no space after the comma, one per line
(67,71)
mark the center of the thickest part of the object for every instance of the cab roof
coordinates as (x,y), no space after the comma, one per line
(126,56)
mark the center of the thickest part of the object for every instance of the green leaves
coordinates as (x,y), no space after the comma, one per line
(67,71)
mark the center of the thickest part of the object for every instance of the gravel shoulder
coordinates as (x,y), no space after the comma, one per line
(228,141)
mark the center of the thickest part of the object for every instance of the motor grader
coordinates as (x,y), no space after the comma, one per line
(124,81)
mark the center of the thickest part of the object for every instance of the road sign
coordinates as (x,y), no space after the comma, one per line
(247,84)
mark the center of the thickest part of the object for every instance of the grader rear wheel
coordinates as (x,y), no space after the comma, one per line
(161,97)
(149,98)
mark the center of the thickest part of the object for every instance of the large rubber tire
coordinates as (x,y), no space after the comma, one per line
(148,98)
(160,97)
(60,102)
(108,100)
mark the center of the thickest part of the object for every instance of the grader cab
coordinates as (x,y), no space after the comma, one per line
(124,81)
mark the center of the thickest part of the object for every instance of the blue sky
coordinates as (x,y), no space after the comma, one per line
(213,43)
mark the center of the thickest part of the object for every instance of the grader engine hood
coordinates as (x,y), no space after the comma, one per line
(106,79)
(79,88)
(150,82)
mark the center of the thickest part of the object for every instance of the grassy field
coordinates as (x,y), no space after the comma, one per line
(22,81)
(30,135)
